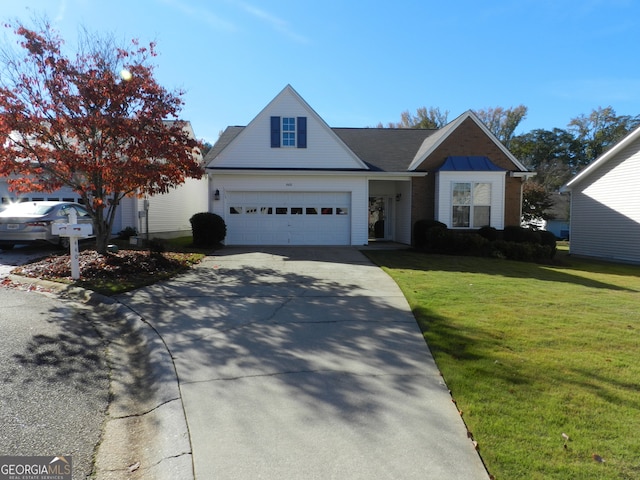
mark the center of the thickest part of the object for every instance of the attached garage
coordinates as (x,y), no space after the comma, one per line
(288,218)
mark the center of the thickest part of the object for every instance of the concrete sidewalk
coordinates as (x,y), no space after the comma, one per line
(304,363)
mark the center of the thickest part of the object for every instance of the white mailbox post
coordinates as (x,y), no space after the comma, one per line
(74,231)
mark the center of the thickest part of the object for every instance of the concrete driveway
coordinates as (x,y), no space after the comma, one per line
(305,363)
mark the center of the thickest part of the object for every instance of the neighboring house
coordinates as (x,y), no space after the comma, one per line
(605,204)
(559,224)
(287,178)
(166,215)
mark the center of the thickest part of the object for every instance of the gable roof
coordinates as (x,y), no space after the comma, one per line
(373,149)
(289,101)
(604,158)
(434,141)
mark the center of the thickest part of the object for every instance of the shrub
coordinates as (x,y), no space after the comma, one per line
(208,229)
(438,238)
(471,244)
(526,252)
(520,235)
(420,229)
(127,233)
(490,233)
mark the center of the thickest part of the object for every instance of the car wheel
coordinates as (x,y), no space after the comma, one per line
(65,242)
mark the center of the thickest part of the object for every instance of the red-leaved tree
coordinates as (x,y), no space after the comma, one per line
(97,122)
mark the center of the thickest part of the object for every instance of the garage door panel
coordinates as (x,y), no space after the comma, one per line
(288,218)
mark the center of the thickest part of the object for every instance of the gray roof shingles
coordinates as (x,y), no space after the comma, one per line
(382,149)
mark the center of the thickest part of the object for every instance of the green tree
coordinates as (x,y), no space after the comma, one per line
(424,117)
(536,202)
(502,122)
(598,131)
(550,153)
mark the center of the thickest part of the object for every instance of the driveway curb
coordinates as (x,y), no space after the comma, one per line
(144,392)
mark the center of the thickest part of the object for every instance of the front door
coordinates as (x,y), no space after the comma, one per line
(380,220)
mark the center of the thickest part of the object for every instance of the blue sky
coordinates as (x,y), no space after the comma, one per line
(361,62)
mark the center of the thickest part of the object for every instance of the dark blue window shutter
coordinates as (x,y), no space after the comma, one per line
(302,132)
(275,132)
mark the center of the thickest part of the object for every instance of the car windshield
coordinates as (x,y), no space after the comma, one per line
(27,208)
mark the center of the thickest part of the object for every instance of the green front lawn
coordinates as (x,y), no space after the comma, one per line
(532,352)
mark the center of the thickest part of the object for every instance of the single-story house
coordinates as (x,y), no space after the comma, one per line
(288,178)
(605,204)
(165,215)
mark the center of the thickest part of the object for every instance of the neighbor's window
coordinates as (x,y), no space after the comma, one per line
(471,205)
(288,131)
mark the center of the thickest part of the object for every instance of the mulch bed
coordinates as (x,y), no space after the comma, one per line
(110,266)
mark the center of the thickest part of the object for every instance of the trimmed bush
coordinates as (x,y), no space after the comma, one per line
(520,235)
(490,233)
(208,229)
(420,229)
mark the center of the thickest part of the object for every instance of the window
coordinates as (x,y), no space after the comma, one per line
(471,205)
(288,132)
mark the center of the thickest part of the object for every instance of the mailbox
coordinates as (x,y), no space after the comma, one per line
(81,230)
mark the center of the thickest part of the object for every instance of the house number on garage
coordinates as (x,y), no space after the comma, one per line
(288,184)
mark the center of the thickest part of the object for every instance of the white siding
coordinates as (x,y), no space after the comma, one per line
(605,209)
(356,187)
(169,213)
(444,182)
(62,194)
(252,147)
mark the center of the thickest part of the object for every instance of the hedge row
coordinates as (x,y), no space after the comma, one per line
(514,243)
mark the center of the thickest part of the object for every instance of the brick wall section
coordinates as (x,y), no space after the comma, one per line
(512,201)
(423,198)
(466,140)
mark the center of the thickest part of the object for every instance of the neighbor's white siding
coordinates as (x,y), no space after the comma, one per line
(356,186)
(605,209)
(65,193)
(169,213)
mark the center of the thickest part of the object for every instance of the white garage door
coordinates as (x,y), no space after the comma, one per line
(288,218)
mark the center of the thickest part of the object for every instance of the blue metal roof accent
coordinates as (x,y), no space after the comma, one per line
(469,164)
